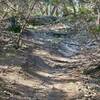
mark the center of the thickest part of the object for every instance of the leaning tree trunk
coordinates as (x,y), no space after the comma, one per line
(19,41)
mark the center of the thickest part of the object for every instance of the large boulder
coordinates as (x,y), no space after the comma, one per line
(41,20)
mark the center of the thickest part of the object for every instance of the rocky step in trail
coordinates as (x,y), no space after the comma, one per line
(43,75)
(51,67)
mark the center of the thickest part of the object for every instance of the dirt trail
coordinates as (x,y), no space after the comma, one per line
(42,75)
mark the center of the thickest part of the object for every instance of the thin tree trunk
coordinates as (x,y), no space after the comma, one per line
(72,4)
(53,10)
(19,41)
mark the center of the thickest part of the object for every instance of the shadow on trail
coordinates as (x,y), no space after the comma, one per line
(17,91)
(56,94)
(32,65)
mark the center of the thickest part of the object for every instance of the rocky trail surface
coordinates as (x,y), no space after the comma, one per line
(39,72)
(42,75)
